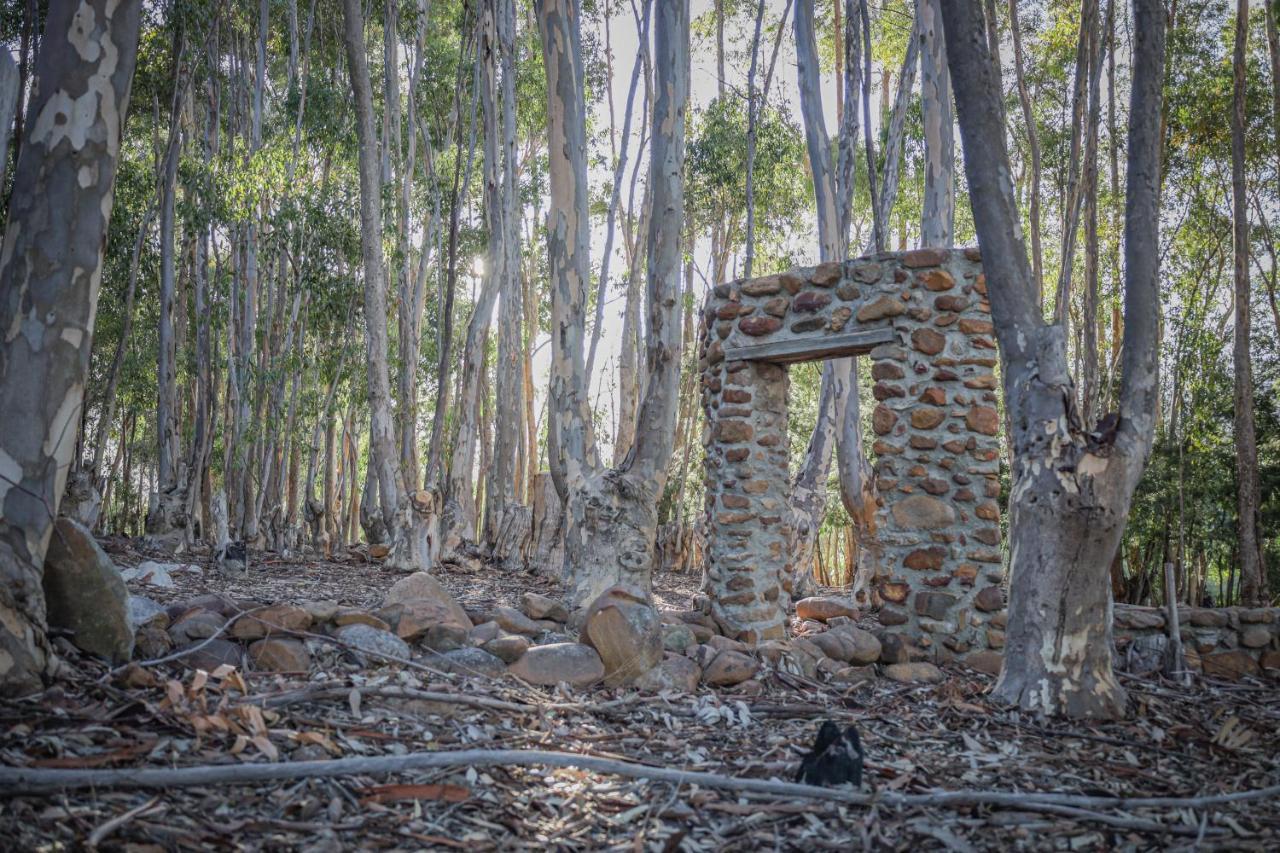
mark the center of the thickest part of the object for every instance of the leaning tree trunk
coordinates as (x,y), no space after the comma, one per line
(838,393)
(50,273)
(1072,489)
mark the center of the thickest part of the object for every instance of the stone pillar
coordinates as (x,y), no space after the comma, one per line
(937,459)
(746,496)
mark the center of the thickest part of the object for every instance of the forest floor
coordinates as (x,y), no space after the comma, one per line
(1207,739)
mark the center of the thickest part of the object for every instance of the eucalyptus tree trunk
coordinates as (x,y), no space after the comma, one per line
(628,369)
(1033,143)
(444,343)
(8,105)
(571,450)
(1089,314)
(1246,436)
(1072,488)
(383,458)
(122,345)
(509,400)
(937,218)
(168,518)
(50,273)
(1071,213)
(619,173)
(1273,55)
(612,514)
(459,498)
(838,393)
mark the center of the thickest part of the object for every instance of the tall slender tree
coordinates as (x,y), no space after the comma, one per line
(1246,434)
(411,546)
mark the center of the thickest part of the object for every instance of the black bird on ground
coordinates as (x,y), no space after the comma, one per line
(836,758)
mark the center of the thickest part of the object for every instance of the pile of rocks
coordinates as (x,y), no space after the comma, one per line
(620,639)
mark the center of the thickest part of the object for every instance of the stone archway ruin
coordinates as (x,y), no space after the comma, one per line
(923,318)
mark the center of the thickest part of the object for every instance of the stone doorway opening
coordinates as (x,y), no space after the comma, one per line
(923,319)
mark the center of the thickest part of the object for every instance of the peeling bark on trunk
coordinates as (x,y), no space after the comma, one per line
(938,216)
(50,273)
(1072,489)
(612,514)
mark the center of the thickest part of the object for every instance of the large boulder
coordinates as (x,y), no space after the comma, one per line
(372,641)
(416,617)
(675,674)
(626,631)
(144,612)
(537,606)
(211,654)
(509,648)
(728,668)
(280,654)
(849,644)
(512,620)
(1230,666)
(469,661)
(85,594)
(920,672)
(276,619)
(198,624)
(423,585)
(573,663)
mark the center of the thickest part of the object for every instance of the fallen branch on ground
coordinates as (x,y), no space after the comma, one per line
(17,781)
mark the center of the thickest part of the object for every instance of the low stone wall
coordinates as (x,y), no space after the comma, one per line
(1224,642)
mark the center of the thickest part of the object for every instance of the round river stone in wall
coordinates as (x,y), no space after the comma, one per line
(924,512)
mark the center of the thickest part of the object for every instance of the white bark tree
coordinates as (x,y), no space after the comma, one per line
(407,516)
(612,513)
(937,219)
(50,273)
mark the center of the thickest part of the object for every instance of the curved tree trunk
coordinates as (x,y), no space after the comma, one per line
(50,272)
(1071,489)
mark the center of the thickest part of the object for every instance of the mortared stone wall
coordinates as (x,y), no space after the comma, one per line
(922,317)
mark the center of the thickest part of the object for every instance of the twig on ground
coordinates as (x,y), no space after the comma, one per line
(20,781)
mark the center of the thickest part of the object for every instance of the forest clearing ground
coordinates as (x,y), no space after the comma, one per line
(1209,739)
